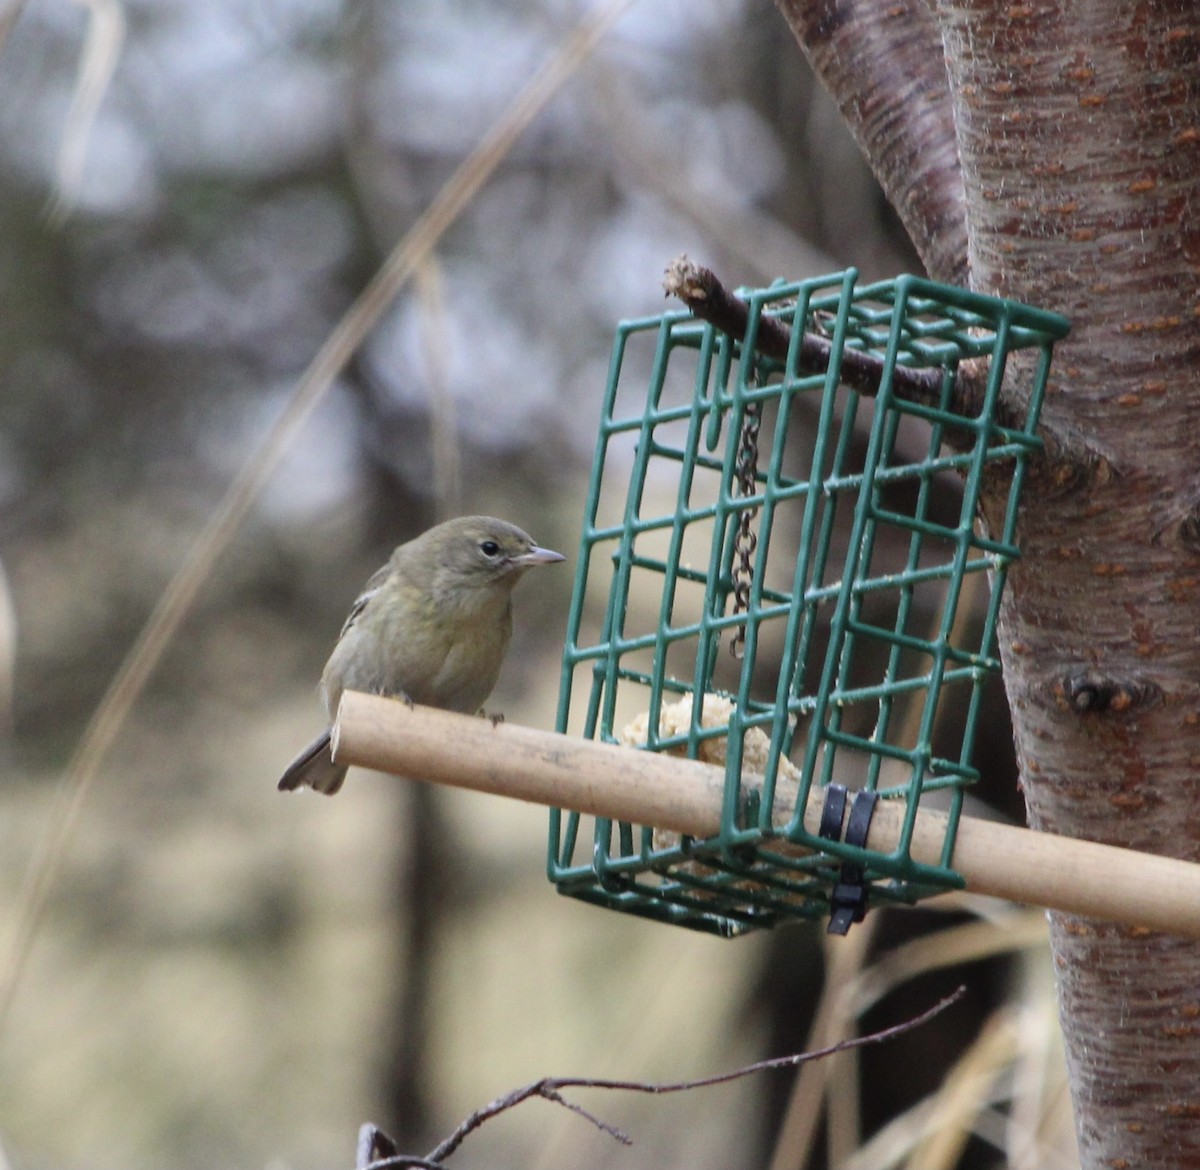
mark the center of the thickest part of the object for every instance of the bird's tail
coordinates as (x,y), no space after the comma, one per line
(315,768)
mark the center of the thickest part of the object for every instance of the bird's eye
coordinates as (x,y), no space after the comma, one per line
(489,548)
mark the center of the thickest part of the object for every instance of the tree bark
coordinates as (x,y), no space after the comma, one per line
(882,63)
(1077,132)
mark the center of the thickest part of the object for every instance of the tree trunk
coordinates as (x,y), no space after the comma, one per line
(1077,131)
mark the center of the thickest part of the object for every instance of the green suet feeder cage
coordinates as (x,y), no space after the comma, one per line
(779,539)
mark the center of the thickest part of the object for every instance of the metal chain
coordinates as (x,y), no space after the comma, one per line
(746,540)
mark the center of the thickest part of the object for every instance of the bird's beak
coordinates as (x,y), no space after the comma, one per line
(538,556)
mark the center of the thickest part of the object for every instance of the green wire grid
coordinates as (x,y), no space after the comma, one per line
(854,651)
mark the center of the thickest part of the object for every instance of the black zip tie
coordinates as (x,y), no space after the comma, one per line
(832,813)
(848,899)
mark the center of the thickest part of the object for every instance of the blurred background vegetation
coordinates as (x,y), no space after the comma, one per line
(229,977)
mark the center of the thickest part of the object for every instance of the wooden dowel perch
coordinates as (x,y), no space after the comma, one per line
(651,788)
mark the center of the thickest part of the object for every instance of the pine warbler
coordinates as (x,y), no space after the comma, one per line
(431,626)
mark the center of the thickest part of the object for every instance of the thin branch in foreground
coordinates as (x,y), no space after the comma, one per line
(377,1150)
(549,1088)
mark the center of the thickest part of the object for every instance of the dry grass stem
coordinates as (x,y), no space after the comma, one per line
(180,593)
(443,416)
(101,48)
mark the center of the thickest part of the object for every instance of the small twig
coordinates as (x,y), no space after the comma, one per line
(604,1126)
(711,301)
(376,1151)
(373,1146)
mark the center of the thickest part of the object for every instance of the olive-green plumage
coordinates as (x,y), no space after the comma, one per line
(433,625)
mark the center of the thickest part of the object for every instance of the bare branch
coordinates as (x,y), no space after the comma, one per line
(711,301)
(550,1088)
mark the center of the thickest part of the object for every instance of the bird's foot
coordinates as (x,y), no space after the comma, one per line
(402,696)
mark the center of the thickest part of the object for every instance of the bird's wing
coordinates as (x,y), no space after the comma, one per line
(373,585)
